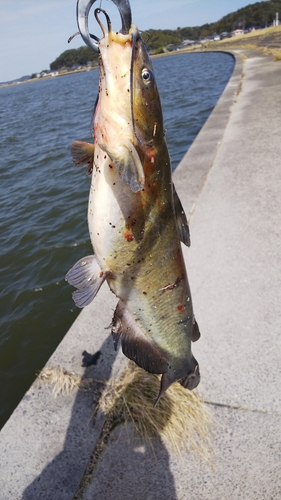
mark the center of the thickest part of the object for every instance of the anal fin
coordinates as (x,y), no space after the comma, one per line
(87,276)
(135,344)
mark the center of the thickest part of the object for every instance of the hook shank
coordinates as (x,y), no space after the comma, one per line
(82,12)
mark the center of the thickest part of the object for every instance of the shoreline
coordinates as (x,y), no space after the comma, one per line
(267,41)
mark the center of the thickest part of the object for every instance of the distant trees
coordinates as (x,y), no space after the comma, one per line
(156,39)
(260,14)
(72,57)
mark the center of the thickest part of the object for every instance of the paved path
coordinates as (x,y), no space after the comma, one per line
(230,185)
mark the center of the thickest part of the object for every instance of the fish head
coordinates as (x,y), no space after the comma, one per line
(128,100)
(146,105)
(113,109)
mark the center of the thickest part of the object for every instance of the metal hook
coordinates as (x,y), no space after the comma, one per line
(78,33)
(97,11)
(82,12)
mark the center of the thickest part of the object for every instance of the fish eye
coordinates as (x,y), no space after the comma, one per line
(147,76)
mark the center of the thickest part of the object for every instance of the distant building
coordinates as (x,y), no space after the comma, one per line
(237,32)
(187,42)
(225,34)
(276,21)
(171,47)
(47,73)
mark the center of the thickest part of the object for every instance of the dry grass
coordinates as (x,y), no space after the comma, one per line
(276,53)
(267,41)
(62,381)
(254,36)
(180,417)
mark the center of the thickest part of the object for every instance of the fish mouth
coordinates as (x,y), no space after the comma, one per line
(82,13)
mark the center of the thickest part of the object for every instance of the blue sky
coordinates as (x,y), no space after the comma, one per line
(34,32)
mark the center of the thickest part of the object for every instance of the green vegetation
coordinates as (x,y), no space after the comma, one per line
(260,14)
(156,39)
(74,57)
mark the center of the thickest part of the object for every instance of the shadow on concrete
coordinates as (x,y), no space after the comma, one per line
(132,470)
(60,479)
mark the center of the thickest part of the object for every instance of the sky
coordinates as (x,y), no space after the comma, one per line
(33,33)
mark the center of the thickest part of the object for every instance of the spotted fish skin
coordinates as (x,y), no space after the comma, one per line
(136,221)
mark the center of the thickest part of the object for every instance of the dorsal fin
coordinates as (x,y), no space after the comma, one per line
(135,344)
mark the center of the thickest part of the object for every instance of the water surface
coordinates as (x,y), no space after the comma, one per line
(44,199)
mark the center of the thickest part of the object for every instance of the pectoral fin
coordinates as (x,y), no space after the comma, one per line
(135,344)
(83,154)
(87,276)
(181,219)
(127,162)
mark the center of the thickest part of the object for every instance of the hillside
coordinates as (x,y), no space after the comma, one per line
(259,15)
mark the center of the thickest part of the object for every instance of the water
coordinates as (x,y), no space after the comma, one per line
(43,206)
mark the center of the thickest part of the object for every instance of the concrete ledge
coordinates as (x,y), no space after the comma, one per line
(47,442)
(190,175)
(130,469)
(229,184)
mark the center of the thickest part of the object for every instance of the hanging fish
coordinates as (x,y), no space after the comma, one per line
(136,220)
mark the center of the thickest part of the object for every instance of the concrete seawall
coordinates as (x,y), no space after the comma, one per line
(230,186)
